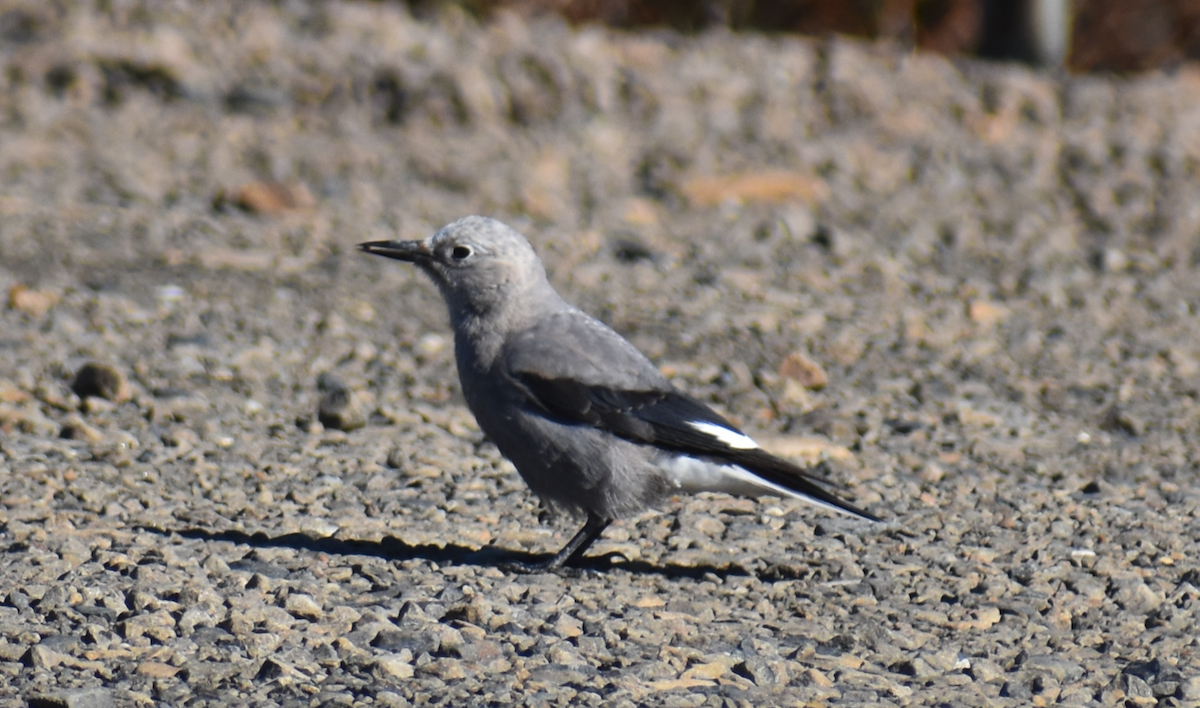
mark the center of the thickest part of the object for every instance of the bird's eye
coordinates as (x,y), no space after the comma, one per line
(460,253)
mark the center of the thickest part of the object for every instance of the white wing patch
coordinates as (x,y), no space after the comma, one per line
(732,438)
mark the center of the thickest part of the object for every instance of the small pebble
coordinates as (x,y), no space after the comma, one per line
(340,407)
(803,370)
(101,381)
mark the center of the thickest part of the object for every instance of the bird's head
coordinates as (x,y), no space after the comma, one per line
(478,264)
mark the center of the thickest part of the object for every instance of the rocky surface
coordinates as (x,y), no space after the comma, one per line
(967,292)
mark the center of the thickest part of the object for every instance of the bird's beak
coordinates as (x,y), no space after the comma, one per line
(411,251)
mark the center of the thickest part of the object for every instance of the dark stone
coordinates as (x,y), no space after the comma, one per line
(101,381)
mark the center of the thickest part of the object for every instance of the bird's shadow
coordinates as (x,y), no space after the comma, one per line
(394,549)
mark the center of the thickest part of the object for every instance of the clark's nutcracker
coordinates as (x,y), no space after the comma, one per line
(592,426)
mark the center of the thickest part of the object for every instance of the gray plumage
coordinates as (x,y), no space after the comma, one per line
(593,426)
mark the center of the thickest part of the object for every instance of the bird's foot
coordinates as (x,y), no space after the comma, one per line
(571,553)
(553,564)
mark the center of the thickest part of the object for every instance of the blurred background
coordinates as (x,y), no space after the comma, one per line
(1083,35)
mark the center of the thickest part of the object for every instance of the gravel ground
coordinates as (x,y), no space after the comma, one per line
(236,468)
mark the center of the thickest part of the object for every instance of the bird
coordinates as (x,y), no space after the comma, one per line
(593,426)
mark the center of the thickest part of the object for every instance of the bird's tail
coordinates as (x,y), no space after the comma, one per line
(790,480)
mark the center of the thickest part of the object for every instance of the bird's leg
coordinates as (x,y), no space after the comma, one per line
(575,548)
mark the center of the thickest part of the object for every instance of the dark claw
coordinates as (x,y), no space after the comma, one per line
(570,554)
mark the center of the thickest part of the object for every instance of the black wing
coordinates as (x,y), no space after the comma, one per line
(673,421)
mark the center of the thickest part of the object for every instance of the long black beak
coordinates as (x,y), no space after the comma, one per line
(411,251)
